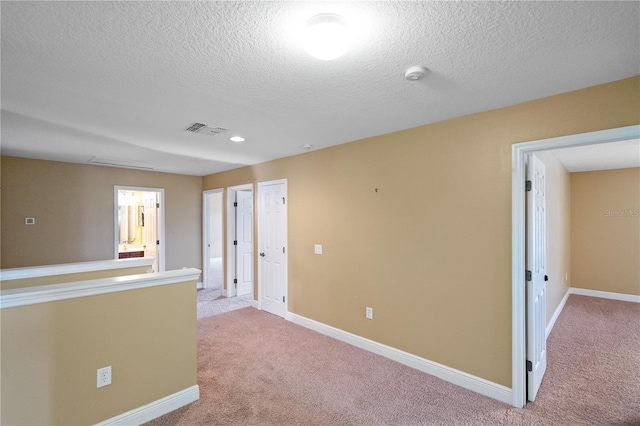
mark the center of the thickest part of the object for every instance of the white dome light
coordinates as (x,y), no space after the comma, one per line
(326,36)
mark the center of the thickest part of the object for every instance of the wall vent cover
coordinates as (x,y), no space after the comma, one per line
(205,130)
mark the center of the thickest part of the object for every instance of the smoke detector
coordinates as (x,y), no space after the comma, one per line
(414,73)
(205,130)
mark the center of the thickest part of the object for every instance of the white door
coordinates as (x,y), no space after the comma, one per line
(536,276)
(272,228)
(150,227)
(244,238)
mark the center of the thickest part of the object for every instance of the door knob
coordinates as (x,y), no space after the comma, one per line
(261,254)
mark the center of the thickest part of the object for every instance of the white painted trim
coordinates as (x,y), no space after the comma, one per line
(199,284)
(557,313)
(451,375)
(605,294)
(73,268)
(590,293)
(12,298)
(255,304)
(155,409)
(519,150)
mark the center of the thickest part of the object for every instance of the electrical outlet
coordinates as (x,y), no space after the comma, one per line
(369,313)
(104,376)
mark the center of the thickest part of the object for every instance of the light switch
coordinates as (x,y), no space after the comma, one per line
(318,249)
(29,220)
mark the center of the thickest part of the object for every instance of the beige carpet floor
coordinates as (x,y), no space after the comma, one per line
(258,369)
(211,302)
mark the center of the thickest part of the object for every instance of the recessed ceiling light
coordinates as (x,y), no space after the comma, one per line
(236,138)
(326,36)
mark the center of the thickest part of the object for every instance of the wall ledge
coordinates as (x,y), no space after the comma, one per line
(12,298)
(451,375)
(155,409)
(73,268)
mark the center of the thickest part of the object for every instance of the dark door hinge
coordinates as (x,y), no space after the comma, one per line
(282,299)
(283,250)
(527,275)
(157,242)
(157,205)
(235,242)
(529,366)
(283,200)
(235,204)
(527,185)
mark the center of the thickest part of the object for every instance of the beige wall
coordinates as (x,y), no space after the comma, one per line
(605,230)
(73,208)
(431,250)
(50,358)
(558,233)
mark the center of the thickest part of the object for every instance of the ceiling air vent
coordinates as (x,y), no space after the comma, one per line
(119,162)
(205,130)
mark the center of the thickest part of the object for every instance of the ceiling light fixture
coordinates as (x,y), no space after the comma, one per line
(326,36)
(236,139)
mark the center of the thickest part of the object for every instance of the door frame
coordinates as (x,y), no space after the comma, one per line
(259,246)
(518,240)
(206,212)
(161,229)
(230,290)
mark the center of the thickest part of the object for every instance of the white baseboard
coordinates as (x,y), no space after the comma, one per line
(605,294)
(457,377)
(556,314)
(200,284)
(255,304)
(155,409)
(590,293)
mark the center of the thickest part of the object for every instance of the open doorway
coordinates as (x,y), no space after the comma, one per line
(213,253)
(520,326)
(139,224)
(240,246)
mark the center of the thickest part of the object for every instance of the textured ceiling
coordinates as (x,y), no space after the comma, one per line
(125,79)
